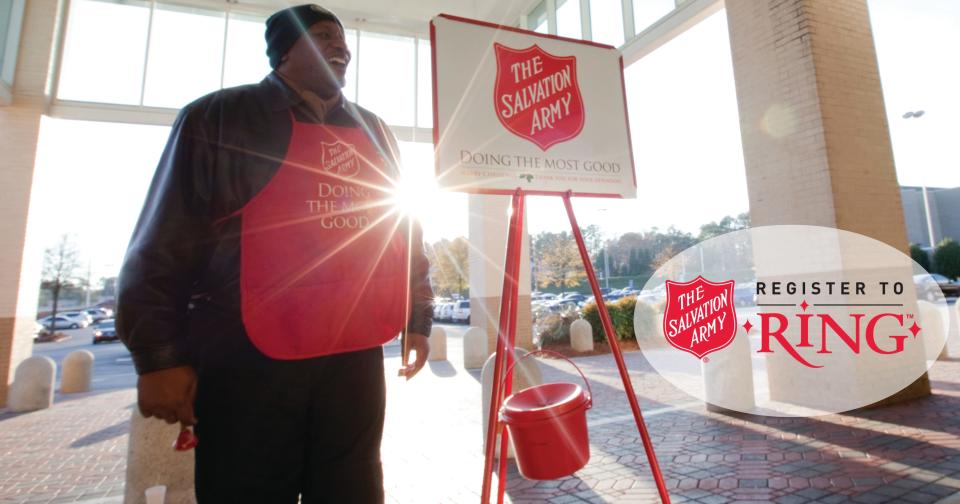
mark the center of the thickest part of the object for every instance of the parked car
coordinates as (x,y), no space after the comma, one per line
(744,295)
(653,296)
(105,330)
(79,317)
(446,312)
(575,297)
(461,312)
(438,303)
(925,287)
(560,305)
(98,314)
(58,322)
(542,296)
(608,297)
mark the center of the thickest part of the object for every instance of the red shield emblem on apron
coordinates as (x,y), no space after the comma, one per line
(537,96)
(340,159)
(699,317)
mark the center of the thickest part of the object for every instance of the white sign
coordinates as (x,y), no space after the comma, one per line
(514,108)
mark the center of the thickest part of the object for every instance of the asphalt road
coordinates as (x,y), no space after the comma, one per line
(112,367)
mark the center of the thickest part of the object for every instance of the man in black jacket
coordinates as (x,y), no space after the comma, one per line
(267,269)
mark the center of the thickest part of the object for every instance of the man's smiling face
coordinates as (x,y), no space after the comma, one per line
(318,60)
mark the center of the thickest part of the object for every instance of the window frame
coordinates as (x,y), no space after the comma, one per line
(8,60)
(164,116)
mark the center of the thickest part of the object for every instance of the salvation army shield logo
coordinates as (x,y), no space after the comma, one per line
(340,159)
(537,95)
(699,316)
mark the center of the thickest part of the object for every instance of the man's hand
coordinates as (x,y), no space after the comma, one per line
(419,344)
(168,394)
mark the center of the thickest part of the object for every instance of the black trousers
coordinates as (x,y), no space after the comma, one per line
(274,431)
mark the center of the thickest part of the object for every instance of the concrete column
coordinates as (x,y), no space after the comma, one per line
(151,461)
(489,224)
(20,255)
(815,137)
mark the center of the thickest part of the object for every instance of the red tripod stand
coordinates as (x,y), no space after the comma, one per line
(506,339)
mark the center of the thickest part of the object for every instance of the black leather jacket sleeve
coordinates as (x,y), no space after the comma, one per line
(168,249)
(222,149)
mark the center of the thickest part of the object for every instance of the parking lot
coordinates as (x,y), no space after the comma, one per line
(113,368)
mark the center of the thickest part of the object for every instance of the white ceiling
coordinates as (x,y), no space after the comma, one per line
(410,15)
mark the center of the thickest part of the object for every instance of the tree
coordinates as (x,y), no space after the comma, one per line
(726,225)
(451,270)
(946,258)
(558,260)
(61,269)
(920,256)
(593,240)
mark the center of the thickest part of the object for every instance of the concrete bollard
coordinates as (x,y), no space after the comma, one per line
(475,349)
(525,374)
(32,387)
(438,344)
(728,377)
(581,336)
(953,337)
(932,321)
(77,372)
(152,461)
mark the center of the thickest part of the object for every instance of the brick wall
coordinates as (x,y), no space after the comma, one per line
(20,253)
(815,138)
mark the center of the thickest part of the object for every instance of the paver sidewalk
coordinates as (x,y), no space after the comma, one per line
(76,451)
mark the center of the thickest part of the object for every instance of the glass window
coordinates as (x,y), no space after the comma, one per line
(117,160)
(386,77)
(101,65)
(647,12)
(915,41)
(186,55)
(537,19)
(669,108)
(606,21)
(568,19)
(246,56)
(424,85)
(6,8)
(350,88)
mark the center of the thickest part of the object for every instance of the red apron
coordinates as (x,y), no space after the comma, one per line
(323,266)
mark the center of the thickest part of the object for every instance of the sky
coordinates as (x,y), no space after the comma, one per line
(91,178)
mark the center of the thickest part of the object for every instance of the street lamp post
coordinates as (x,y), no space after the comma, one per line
(606,264)
(917,114)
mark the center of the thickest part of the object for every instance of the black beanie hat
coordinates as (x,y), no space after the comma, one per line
(286,26)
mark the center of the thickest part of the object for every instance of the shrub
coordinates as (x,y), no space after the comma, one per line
(947,258)
(553,328)
(647,320)
(621,316)
(920,256)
